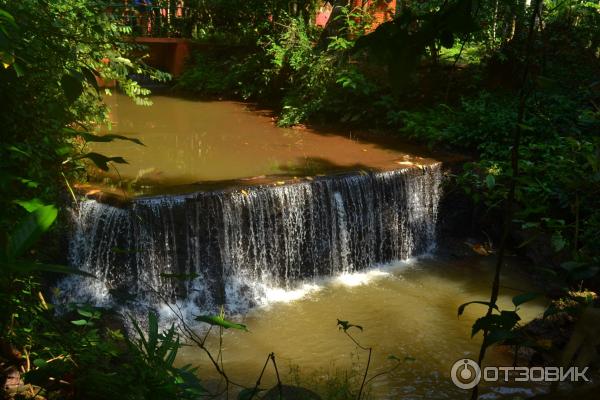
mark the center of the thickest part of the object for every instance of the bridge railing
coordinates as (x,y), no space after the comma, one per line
(157,18)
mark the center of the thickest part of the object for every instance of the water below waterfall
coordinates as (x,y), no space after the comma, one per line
(407,309)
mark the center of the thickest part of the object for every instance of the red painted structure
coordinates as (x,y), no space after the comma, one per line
(383,10)
(166,54)
(170,53)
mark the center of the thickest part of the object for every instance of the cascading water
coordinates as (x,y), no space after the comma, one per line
(233,246)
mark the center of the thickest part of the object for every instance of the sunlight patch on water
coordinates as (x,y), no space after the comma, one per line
(349,279)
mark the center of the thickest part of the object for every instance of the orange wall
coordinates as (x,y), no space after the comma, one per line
(384,10)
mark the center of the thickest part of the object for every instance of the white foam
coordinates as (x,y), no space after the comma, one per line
(279,295)
(360,278)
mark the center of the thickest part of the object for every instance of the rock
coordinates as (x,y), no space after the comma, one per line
(12,378)
(290,393)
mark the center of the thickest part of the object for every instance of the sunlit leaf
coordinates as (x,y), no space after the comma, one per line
(30,205)
(30,229)
(217,320)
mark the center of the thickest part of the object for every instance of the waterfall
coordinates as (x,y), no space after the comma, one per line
(229,247)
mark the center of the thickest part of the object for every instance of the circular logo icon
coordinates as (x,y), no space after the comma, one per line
(465,373)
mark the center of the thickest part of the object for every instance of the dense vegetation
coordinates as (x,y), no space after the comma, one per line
(514,85)
(459,75)
(52,53)
(446,74)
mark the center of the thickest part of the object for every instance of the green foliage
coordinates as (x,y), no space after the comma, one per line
(309,84)
(501,325)
(60,47)
(401,43)
(52,53)
(239,21)
(87,360)
(558,161)
(219,320)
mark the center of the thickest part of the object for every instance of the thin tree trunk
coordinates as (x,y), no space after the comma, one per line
(513,183)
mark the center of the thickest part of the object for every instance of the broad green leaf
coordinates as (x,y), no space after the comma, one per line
(79,322)
(6,17)
(220,321)
(15,149)
(490,181)
(102,161)
(523,298)
(30,229)
(29,183)
(30,205)
(39,362)
(85,313)
(152,333)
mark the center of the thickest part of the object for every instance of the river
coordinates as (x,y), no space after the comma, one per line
(289,230)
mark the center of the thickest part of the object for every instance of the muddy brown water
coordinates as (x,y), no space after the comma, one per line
(407,310)
(197,145)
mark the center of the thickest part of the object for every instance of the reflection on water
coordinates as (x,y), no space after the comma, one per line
(188,142)
(407,310)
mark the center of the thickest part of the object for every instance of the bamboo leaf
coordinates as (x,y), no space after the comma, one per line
(101,161)
(220,321)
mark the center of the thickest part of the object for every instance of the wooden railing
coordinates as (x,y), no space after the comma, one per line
(156,18)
